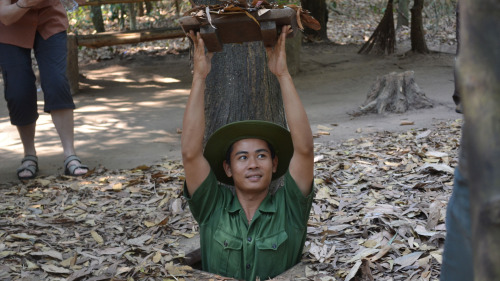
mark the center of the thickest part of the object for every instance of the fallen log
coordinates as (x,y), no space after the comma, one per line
(128,37)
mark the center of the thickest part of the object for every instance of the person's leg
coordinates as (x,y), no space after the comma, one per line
(27,135)
(51,57)
(20,94)
(457,256)
(63,121)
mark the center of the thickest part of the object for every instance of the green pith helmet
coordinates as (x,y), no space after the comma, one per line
(220,141)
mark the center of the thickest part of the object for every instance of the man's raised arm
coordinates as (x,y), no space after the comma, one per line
(196,166)
(302,163)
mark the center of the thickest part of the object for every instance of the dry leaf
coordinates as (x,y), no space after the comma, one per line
(437,167)
(157,257)
(31,266)
(139,241)
(309,21)
(50,268)
(71,261)
(117,187)
(353,271)
(97,237)
(436,154)
(409,259)
(177,270)
(324,128)
(111,251)
(363,253)
(23,236)
(54,254)
(383,251)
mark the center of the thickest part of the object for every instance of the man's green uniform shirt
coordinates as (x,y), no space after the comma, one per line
(270,245)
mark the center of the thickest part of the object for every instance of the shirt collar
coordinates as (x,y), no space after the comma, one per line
(267,206)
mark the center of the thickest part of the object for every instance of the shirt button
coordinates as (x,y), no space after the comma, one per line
(274,246)
(248,266)
(249,239)
(225,243)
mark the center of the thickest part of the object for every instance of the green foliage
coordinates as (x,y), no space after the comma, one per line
(376,9)
(115,16)
(288,2)
(79,19)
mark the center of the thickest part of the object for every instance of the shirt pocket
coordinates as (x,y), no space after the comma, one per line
(227,254)
(271,253)
(273,242)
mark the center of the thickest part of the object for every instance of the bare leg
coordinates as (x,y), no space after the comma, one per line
(63,121)
(27,135)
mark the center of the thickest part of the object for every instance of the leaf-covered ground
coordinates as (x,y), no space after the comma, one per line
(378,215)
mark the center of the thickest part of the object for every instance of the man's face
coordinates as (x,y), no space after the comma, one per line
(251,165)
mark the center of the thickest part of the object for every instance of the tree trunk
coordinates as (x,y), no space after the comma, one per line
(293,47)
(133,18)
(384,36)
(140,9)
(417,28)
(240,86)
(96,15)
(479,79)
(318,10)
(403,14)
(149,7)
(177,8)
(121,18)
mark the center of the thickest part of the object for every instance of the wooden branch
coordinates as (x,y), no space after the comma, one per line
(128,37)
(104,2)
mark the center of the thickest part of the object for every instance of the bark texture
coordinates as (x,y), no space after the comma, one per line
(132,16)
(417,28)
(394,93)
(293,48)
(478,68)
(383,38)
(241,87)
(129,37)
(97,20)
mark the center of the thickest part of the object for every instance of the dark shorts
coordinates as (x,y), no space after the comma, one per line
(19,79)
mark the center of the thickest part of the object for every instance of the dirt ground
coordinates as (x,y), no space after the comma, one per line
(129,109)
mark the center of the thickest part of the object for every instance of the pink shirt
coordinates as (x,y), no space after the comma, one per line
(48,18)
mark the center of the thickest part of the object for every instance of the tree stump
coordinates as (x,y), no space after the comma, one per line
(394,93)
